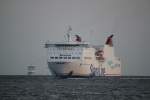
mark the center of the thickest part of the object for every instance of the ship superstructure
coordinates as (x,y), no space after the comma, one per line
(77,58)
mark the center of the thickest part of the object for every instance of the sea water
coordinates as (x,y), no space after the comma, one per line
(96,88)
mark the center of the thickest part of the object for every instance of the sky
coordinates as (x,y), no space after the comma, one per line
(25,25)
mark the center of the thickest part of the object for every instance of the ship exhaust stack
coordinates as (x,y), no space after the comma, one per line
(109,40)
(78,38)
(108,47)
(112,64)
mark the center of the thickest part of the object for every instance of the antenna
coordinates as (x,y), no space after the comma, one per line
(68,33)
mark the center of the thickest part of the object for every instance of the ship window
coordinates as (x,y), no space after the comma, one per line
(56,57)
(65,57)
(69,57)
(87,58)
(73,57)
(60,57)
(77,57)
(52,57)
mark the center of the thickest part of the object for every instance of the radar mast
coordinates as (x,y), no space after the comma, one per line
(68,33)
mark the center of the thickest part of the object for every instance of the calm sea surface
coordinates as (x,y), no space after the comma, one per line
(50,88)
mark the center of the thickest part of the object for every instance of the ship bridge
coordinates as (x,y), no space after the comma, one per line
(69,44)
(65,52)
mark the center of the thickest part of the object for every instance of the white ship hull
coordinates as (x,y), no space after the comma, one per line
(81,59)
(69,69)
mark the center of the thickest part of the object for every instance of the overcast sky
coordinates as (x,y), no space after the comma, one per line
(25,25)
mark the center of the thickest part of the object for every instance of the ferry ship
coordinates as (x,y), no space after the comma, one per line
(76,58)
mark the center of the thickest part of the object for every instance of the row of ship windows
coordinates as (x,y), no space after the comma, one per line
(65,57)
(65,48)
(76,53)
